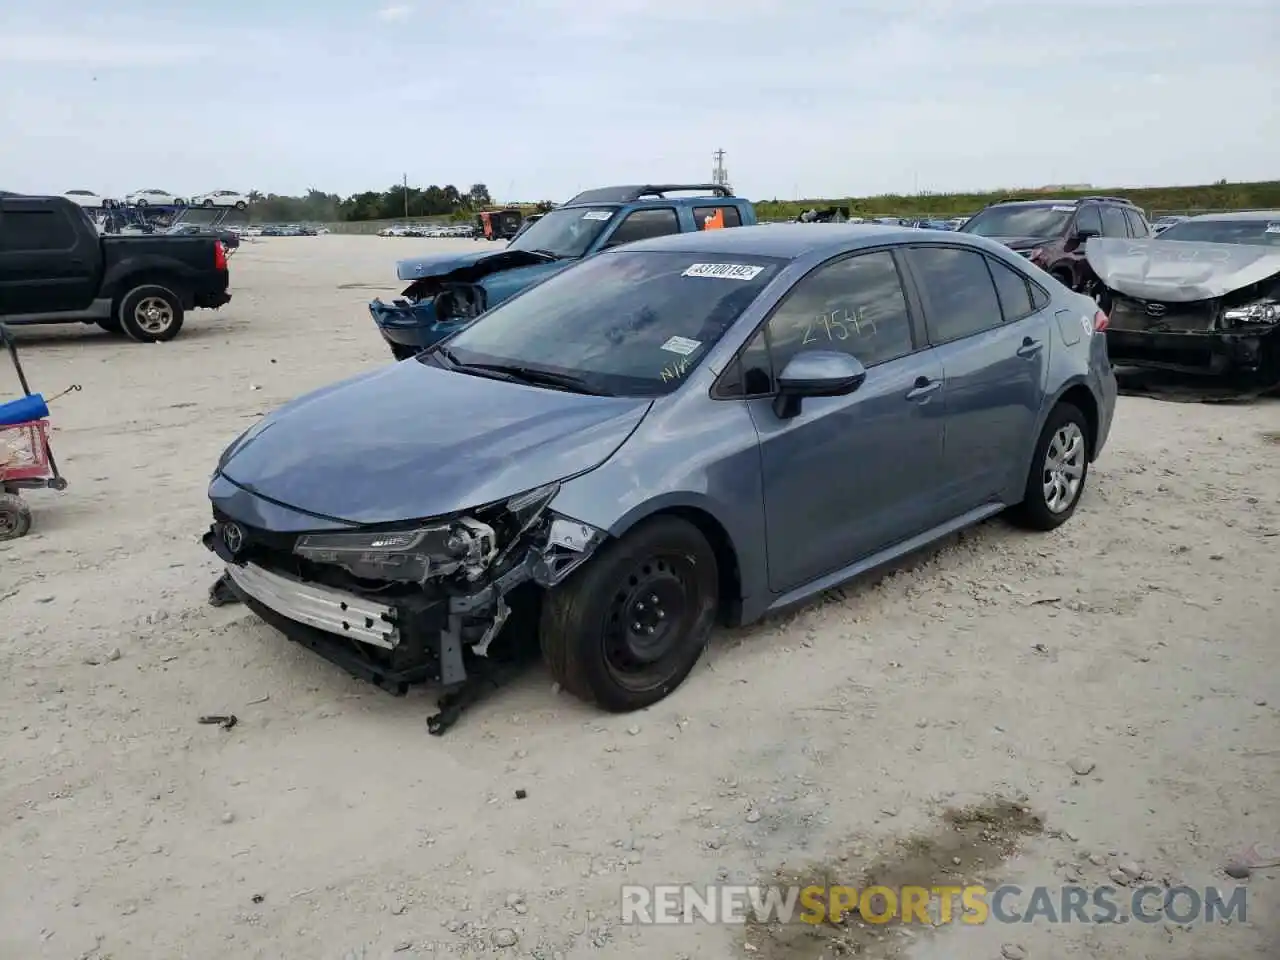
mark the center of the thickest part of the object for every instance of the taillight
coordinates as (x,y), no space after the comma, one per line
(1100,321)
(219,255)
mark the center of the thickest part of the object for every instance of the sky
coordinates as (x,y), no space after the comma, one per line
(539,99)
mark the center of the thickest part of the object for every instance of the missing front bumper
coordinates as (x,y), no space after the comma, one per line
(1213,354)
(335,612)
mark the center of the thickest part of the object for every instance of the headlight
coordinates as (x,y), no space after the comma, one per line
(1264,311)
(405,556)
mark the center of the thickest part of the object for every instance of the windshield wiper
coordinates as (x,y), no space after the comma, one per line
(549,378)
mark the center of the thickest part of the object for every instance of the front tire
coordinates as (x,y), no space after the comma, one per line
(627,629)
(150,314)
(1058,472)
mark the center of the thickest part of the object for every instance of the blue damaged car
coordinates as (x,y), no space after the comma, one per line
(446,291)
(694,428)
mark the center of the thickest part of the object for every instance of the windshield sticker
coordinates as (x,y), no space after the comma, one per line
(682,345)
(1273,228)
(597,215)
(1063,209)
(725,271)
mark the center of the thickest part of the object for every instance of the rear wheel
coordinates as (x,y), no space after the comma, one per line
(15,517)
(150,314)
(1059,468)
(627,628)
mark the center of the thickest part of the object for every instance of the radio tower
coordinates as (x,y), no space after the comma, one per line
(718,173)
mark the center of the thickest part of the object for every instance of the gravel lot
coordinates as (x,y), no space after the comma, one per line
(1137,643)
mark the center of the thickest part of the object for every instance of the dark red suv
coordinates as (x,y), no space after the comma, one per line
(1052,233)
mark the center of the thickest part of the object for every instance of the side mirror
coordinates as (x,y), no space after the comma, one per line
(1085,233)
(816,373)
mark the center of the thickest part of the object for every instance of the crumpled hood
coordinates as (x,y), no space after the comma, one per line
(1179,271)
(464,266)
(411,441)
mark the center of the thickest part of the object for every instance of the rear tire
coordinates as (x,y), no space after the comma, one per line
(627,628)
(150,314)
(15,517)
(1059,469)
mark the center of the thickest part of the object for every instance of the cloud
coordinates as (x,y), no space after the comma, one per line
(395,13)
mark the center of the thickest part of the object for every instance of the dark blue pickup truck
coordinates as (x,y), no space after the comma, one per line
(447,291)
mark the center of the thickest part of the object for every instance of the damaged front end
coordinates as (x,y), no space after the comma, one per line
(444,295)
(1207,309)
(415,603)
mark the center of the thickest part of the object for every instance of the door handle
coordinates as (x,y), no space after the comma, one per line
(1030,348)
(924,386)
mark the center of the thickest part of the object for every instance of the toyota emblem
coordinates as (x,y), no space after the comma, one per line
(233,536)
(1155,309)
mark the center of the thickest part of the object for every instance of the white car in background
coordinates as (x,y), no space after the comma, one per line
(221,198)
(152,198)
(86,198)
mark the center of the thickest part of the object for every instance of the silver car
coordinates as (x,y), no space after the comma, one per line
(688,429)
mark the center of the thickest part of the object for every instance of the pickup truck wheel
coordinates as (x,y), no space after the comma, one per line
(626,629)
(150,314)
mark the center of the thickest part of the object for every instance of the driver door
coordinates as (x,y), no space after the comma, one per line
(848,476)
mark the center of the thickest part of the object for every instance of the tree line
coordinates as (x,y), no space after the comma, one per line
(1261,195)
(397,203)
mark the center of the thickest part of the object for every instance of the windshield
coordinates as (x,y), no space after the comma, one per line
(631,323)
(1041,222)
(567,233)
(1263,232)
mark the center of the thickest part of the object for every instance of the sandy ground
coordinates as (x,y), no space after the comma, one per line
(1140,640)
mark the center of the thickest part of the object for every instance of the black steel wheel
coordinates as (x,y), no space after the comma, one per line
(627,628)
(15,517)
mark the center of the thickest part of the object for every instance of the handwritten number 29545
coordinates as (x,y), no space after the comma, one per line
(835,326)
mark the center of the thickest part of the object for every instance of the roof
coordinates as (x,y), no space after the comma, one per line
(631,192)
(1245,215)
(788,241)
(1059,201)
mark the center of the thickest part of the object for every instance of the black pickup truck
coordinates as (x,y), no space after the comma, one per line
(55,267)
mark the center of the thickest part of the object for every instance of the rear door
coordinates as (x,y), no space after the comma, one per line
(988,326)
(50,256)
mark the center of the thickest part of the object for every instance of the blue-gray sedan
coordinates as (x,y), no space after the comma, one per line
(688,429)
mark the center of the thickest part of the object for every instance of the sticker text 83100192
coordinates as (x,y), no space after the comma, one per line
(839,325)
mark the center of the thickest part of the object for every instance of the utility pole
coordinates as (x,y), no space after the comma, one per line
(405,183)
(719,174)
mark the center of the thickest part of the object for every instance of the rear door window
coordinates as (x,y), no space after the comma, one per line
(1113,223)
(959,292)
(1013,289)
(727,216)
(35,230)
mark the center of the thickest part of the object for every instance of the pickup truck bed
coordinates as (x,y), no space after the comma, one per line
(56,268)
